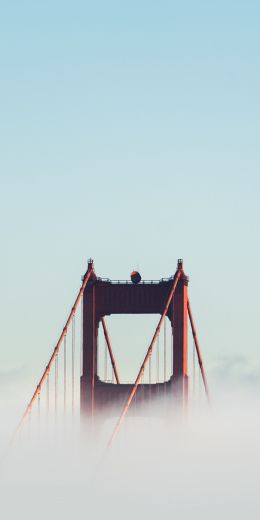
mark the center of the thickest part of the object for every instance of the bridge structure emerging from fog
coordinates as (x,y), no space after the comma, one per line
(68,382)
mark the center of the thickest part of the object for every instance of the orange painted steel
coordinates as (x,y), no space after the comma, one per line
(149,352)
(198,350)
(56,350)
(109,346)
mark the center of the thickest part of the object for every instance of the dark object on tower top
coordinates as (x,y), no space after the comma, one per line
(136,277)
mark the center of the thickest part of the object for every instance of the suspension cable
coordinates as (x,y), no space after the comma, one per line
(165,356)
(158,364)
(194,369)
(48,394)
(172,360)
(56,349)
(29,423)
(164,351)
(73,364)
(98,355)
(150,375)
(39,409)
(65,373)
(81,337)
(199,381)
(198,350)
(105,361)
(56,385)
(158,360)
(142,383)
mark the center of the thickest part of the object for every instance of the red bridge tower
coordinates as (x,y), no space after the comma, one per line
(104,297)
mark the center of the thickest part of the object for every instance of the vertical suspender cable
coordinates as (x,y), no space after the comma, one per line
(112,374)
(81,337)
(158,360)
(143,385)
(98,354)
(194,369)
(105,361)
(48,394)
(164,352)
(56,385)
(158,364)
(172,353)
(171,372)
(150,374)
(57,382)
(39,409)
(73,363)
(65,374)
(29,423)
(199,376)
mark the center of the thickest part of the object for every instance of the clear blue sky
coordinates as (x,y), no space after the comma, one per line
(129,133)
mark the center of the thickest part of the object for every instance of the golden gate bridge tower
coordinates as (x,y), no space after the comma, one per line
(99,298)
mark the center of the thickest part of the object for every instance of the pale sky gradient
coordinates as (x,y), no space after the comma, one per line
(129,133)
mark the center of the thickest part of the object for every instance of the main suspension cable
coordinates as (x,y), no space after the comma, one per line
(56,349)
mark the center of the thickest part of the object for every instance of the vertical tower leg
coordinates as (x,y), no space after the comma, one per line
(180,337)
(89,361)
